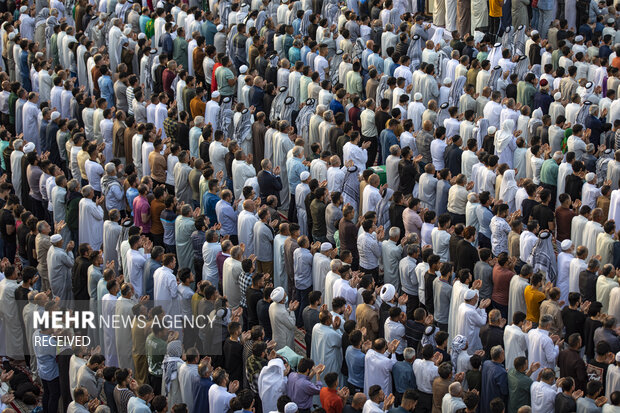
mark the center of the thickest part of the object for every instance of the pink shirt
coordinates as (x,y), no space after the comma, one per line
(412,221)
(141,206)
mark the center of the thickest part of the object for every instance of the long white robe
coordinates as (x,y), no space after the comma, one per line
(114,50)
(183,228)
(515,341)
(30,119)
(241,171)
(301,191)
(122,335)
(272,384)
(380,367)
(327,347)
(59,266)
(469,320)
(574,269)
(614,303)
(16,172)
(577,227)
(91,223)
(564,170)
(320,268)
(282,144)
(111,234)
(564,259)
(590,233)
(245,229)
(282,325)
(614,203)
(108,310)
(13,333)
(516,300)
(458,297)
(279,273)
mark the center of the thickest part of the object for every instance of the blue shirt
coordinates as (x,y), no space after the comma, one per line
(227,217)
(45,350)
(335,106)
(403,377)
(294,168)
(355,364)
(114,197)
(144,19)
(484,215)
(107,89)
(494,384)
(296,25)
(131,193)
(149,269)
(294,55)
(137,405)
(302,264)
(389,66)
(42,133)
(387,138)
(209,201)
(304,54)
(365,55)
(208,31)
(376,61)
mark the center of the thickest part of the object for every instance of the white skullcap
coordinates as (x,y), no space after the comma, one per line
(590,176)
(127,31)
(611,20)
(11,35)
(447,80)
(141,36)
(277,294)
(215,94)
(491,130)
(417,96)
(304,175)
(220,27)
(387,292)
(618,357)
(23,9)
(469,294)
(566,244)
(55,115)
(39,55)
(199,120)
(55,238)
(557,96)
(290,407)
(29,147)
(243,69)
(283,1)
(534,32)
(579,38)
(326,246)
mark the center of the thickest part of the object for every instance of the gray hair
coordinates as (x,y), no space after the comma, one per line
(455,389)
(409,353)
(73,185)
(557,155)
(335,265)
(394,150)
(186,210)
(114,214)
(87,191)
(41,224)
(236,251)
(394,232)
(496,351)
(328,115)
(320,109)
(546,320)
(110,168)
(297,150)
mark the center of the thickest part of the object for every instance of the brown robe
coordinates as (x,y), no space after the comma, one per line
(258,143)
(463,17)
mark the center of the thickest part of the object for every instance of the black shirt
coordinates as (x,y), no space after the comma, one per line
(22,233)
(491,336)
(573,187)
(381,119)
(543,214)
(232,362)
(262,309)
(573,321)
(564,403)
(7,218)
(587,285)
(428,291)
(452,157)
(511,91)
(526,209)
(590,327)
(252,297)
(396,218)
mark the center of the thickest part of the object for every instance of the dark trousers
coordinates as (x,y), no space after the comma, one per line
(302,297)
(413,302)
(425,403)
(442,327)
(198,270)
(155,382)
(374,272)
(51,395)
(502,308)
(483,241)
(457,218)
(494,25)
(158,239)
(554,192)
(64,359)
(373,149)
(292,210)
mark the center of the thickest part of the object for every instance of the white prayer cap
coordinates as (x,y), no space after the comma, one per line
(127,31)
(277,294)
(447,81)
(417,96)
(469,294)
(55,115)
(611,20)
(215,94)
(243,69)
(491,130)
(566,244)
(557,96)
(220,27)
(141,36)
(55,238)
(199,120)
(618,357)
(590,176)
(23,9)
(283,1)
(304,175)
(387,292)
(11,35)
(534,32)
(29,147)
(579,38)
(326,246)
(39,55)
(290,407)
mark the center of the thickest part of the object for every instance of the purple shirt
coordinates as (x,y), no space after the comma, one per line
(219,260)
(141,206)
(301,390)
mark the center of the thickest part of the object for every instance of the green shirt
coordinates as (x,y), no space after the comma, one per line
(222,75)
(549,172)
(155,352)
(179,51)
(518,390)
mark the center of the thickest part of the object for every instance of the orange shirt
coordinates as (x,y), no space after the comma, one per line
(331,402)
(197,107)
(495,8)
(156,208)
(533,298)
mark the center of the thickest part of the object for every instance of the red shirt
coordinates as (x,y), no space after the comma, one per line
(141,206)
(331,402)
(501,284)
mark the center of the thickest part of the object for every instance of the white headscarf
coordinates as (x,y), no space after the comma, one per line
(271,384)
(504,135)
(508,189)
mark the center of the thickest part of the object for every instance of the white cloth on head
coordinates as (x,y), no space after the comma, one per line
(272,384)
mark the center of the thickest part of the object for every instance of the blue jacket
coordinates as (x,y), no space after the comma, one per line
(107,89)
(387,138)
(494,384)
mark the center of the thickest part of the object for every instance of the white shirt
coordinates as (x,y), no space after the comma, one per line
(335,179)
(371,198)
(165,289)
(440,240)
(516,342)
(469,321)
(135,269)
(543,397)
(369,250)
(381,367)
(541,349)
(438,147)
(355,153)
(425,372)
(219,398)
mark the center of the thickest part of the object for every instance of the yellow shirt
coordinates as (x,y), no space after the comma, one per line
(533,298)
(82,157)
(495,8)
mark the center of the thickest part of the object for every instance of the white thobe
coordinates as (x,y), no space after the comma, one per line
(356,154)
(516,300)
(563,281)
(577,229)
(515,341)
(590,233)
(135,270)
(326,347)
(381,367)
(91,223)
(245,229)
(165,291)
(458,296)
(320,268)
(541,349)
(574,269)
(108,309)
(122,334)
(13,345)
(469,320)
(241,171)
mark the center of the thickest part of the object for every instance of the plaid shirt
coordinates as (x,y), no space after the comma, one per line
(245,280)
(170,127)
(198,239)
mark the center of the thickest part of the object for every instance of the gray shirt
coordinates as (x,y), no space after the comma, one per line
(333,214)
(484,272)
(263,242)
(442,293)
